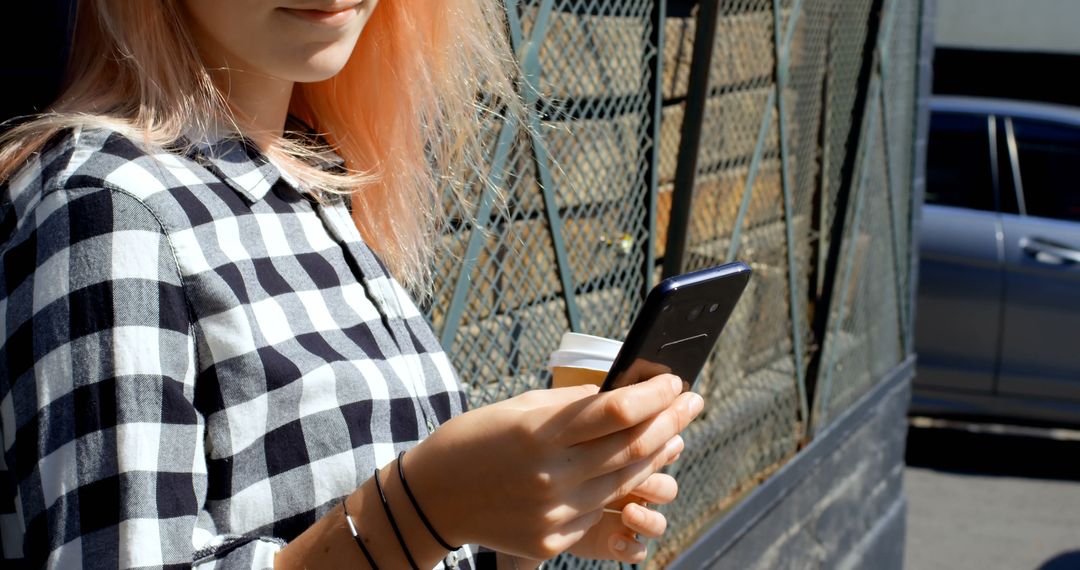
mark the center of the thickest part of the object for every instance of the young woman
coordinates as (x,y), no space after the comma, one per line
(205,358)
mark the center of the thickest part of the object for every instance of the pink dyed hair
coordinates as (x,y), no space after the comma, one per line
(403,113)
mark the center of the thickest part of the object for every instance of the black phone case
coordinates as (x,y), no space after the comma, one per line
(678,325)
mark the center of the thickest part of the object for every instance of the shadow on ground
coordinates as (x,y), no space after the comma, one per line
(961,451)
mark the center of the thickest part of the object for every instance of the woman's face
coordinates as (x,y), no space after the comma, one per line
(293,40)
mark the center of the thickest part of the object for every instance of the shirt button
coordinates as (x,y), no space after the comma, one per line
(452,559)
(430,427)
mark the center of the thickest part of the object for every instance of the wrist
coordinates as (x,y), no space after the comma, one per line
(329,543)
(419,540)
(430,469)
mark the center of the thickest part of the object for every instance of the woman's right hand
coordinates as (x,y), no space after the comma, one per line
(530,475)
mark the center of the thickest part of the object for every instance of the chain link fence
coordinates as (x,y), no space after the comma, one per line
(871,314)
(663,137)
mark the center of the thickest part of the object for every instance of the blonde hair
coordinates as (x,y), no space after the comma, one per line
(404,113)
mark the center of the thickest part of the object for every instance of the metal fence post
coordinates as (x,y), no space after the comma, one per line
(751,176)
(924,58)
(541,161)
(657,17)
(456,309)
(894,224)
(686,169)
(783,46)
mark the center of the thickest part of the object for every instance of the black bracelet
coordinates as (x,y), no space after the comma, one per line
(393,523)
(416,505)
(356,537)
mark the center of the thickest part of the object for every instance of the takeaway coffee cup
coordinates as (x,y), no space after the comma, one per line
(582,359)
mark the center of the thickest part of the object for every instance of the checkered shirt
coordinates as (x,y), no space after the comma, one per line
(198,359)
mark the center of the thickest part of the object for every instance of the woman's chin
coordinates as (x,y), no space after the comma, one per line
(318,66)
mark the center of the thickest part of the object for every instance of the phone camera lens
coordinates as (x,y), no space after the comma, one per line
(714,307)
(695,312)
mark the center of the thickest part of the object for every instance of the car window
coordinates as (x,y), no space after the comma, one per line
(958,161)
(1049,156)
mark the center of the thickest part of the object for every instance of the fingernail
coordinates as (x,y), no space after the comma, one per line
(620,545)
(695,404)
(676,384)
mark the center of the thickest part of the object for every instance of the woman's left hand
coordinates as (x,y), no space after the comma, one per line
(613,537)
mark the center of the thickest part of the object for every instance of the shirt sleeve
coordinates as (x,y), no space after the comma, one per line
(103,462)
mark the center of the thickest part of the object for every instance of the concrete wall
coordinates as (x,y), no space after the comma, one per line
(1023,25)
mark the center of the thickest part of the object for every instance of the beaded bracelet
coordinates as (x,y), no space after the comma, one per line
(416,505)
(356,536)
(393,523)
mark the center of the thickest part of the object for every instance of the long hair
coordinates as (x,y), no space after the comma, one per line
(404,113)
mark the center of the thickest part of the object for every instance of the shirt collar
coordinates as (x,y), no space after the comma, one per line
(239,163)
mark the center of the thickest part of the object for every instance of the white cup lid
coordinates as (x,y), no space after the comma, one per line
(585,351)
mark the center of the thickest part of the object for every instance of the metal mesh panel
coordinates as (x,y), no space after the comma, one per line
(566,243)
(865,340)
(899,88)
(844,57)
(869,322)
(751,422)
(574,209)
(793,126)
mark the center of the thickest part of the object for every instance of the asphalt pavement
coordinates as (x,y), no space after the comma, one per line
(990,501)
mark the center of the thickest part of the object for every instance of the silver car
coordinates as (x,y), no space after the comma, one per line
(998,315)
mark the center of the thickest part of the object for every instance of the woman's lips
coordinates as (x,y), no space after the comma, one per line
(328,17)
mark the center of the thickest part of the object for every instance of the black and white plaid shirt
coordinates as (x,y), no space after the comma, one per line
(198,360)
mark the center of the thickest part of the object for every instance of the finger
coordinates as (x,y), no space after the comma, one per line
(571,533)
(625,548)
(644,521)
(608,488)
(620,449)
(616,507)
(658,489)
(614,411)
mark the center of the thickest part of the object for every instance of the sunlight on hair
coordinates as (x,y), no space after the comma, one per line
(404,113)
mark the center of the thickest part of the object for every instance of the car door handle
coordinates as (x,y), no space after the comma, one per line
(1046,251)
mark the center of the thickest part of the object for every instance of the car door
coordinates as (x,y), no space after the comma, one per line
(1041,339)
(960,267)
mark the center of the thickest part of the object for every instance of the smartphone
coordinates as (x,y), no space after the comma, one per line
(678,326)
